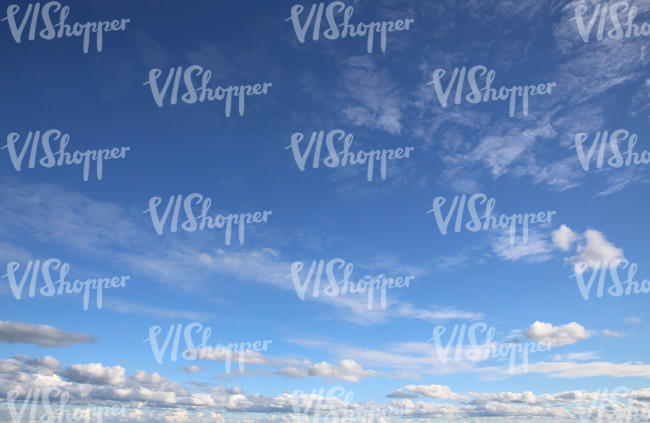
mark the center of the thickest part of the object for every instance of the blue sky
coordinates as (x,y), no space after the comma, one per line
(243,291)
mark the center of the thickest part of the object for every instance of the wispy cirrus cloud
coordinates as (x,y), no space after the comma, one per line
(134,247)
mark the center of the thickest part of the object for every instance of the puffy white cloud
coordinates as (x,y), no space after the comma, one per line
(526,397)
(43,335)
(431,391)
(536,249)
(347,370)
(596,253)
(231,356)
(149,378)
(563,237)
(164,400)
(556,335)
(94,373)
(500,152)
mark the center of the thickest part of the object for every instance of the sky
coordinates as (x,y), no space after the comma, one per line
(479,322)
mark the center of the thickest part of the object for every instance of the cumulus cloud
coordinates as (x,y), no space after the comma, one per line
(564,237)
(43,335)
(46,362)
(597,252)
(526,397)
(95,374)
(148,378)
(150,397)
(592,252)
(556,335)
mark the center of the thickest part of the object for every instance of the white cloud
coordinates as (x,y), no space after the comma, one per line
(596,253)
(612,333)
(95,373)
(537,248)
(563,237)
(633,320)
(407,359)
(556,335)
(68,218)
(559,175)
(593,251)
(150,397)
(46,362)
(581,356)
(347,370)
(377,98)
(431,391)
(147,378)
(507,149)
